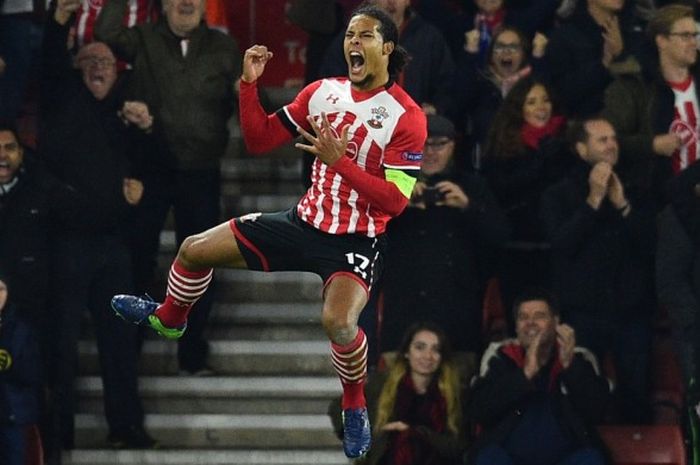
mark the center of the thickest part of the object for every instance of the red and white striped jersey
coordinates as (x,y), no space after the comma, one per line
(686,124)
(386,130)
(137,12)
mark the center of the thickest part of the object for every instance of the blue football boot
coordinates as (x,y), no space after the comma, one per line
(357,435)
(141,311)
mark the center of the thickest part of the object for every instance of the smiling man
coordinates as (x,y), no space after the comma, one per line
(538,389)
(367,136)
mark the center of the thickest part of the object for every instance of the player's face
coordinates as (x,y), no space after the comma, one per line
(507,56)
(680,47)
(424,353)
(601,144)
(537,109)
(535,318)
(99,68)
(183,15)
(11,155)
(366,53)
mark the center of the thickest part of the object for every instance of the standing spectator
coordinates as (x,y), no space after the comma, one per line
(656,112)
(678,274)
(524,156)
(20,36)
(435,246)
(20,378)
(416,407)
(585,52)
(602,236)
(479,91)
(428,76)
(85,144)
(186,73)
(137,12)
(538,397)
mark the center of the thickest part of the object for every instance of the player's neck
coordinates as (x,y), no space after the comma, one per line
(373,84)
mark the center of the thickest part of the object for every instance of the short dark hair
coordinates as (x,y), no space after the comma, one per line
(399,57)
(534,294)
(665,17)
(578,130)
(10,127)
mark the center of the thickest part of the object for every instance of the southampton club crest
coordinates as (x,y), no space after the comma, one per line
(378,116)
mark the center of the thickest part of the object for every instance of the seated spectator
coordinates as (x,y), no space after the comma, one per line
(539,396)
(523,156)
(415,407)
(655,112)
(432,265)
(678,274)
(479,91)
(587,50)
(602,236)
(20,378)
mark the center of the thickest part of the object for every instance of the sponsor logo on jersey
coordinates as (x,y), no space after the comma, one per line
(378,116)
(412,156)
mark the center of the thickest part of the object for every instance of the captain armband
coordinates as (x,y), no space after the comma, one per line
(404,182)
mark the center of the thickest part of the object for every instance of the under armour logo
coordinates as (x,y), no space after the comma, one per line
(332,98)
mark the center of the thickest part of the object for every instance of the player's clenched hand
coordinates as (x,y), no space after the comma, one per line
(254,61)
(326,144)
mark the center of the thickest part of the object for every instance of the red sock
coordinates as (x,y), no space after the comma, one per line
(350,362)
(184,289)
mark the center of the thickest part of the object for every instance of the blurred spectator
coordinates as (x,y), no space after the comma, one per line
(655,112)
(186,73)
(678,274)
(20,378)
(587,50)
(137,12)
(428,76)
(85,143)
(602,236)
(524,156)
(479,91)
(20,36)
(432,265)
(415,407)
(539,396)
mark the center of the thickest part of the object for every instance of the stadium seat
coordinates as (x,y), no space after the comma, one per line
(645,445)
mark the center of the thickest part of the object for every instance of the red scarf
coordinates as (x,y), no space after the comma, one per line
(516,352)
(429,410)
(532,136)
(492,21)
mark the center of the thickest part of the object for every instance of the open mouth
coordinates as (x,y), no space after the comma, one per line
(357,61)
(186,9)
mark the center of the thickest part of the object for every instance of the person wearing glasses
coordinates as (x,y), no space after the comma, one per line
(433,271)
(655,112)
(85,142)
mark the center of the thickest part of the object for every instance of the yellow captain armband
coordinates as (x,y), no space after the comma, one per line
(401,180)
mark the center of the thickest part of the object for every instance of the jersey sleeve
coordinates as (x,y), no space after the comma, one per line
(294,114)
(405,151)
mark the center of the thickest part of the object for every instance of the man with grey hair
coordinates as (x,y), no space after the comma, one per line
(186,73)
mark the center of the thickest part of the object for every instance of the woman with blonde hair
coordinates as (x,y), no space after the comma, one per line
(416,406)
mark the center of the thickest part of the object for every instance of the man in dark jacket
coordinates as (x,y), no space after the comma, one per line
(586,51)
(602,236)
(86,145)
(435,247)
(655,111)
(538,397)
(186,73)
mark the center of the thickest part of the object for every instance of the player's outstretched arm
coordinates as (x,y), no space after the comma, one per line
(261,132)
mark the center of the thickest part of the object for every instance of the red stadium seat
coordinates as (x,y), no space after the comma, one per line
(645,445)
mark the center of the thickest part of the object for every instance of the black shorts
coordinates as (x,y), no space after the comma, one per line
(284,242)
